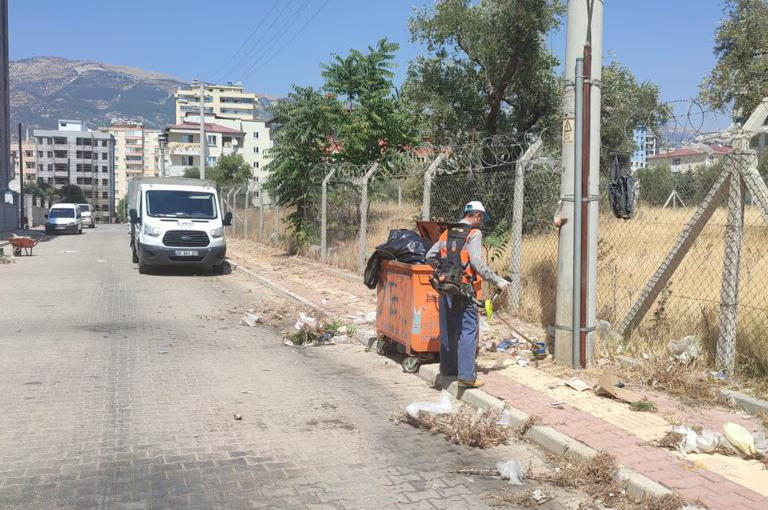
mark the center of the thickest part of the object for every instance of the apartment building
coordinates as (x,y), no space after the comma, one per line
(73,154)
(137,153)
(182,150)
(29,152)
(690,157)
(646,146)
(221,100)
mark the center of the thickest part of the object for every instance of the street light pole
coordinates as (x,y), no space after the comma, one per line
(202,130)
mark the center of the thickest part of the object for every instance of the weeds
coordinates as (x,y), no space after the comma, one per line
(643,406)
(465,427)
(529,423)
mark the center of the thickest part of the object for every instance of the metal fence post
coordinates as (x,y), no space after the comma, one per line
(247,204)
(324,217)
(725,357)
(261,214)
(428,176)
(364,217)
(515,259)
(399,193)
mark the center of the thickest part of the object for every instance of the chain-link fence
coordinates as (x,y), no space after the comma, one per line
(660,272)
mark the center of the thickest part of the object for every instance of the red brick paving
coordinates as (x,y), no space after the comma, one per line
(712,489)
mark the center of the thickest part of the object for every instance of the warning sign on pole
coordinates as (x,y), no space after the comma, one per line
(568,125)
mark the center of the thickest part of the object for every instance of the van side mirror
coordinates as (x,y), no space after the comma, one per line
(227,219)
(134,216)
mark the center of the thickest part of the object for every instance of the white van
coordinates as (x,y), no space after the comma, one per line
(86,210)
(176,222)
(64,218)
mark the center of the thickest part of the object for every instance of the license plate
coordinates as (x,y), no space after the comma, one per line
(186,253)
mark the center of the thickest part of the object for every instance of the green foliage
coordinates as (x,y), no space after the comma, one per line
(31,187)
(192,173)
(626,104)
(705,179)
(229,170)
(541,195)
(121,211)
(488,68)
(70,194)
(740,77)
(355,118)
(656,184)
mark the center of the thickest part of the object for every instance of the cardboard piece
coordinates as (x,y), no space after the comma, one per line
(608,384)
(577,384)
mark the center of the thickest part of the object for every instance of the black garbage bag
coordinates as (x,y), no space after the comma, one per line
(622,191)
(402,245)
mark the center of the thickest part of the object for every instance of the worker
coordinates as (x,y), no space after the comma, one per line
(459,330)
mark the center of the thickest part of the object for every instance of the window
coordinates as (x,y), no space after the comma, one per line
(255,164)
(28,154)
(187,160)
(104,194)
(30,165)
(181,204)
(59,140)
(104,143)
(61,167)
(105,182)
(187,138)
(103,155)
(676,161)
(211,140)
(50,167)
(49,154)
(39,154)
(211,161)
(133,158)
(104,169)
(40,167)
(83,141)
(255,134)
(60,154)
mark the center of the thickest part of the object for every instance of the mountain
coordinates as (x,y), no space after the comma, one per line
(45,89)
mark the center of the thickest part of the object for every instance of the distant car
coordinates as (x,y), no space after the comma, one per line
(87,213)
(64,218)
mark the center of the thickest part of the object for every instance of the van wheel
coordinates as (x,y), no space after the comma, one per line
(134,256)
(143,268)
(80,231)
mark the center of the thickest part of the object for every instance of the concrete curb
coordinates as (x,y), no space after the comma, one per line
(637,485)
(546,437)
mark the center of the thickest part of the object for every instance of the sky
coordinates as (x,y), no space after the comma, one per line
(271,44)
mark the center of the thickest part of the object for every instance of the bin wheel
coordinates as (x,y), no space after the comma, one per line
(382,346)
(411,364)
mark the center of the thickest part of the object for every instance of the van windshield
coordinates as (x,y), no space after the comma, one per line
(85,208)
(181,204)
(61,213)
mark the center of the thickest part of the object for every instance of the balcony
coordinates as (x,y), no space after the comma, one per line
(183,149)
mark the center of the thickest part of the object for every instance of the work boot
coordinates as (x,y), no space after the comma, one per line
(471,383)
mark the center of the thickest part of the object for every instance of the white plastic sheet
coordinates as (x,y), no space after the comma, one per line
(444,406)
(511,470)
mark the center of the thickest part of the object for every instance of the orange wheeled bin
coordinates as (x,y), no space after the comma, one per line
(407,308)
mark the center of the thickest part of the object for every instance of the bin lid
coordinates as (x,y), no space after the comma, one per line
(431,229)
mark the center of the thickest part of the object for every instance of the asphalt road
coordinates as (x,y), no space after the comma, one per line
(118,391)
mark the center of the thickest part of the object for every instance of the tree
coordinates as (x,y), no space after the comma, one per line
(192,173)
(488,68)
(229,170)
(355,118)
(121,210)
(625,105)
(71,194)
(740,76)
(656,184)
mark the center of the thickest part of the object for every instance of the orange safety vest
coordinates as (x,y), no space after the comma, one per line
(470,275)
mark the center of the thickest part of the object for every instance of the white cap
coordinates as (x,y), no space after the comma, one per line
(475,206)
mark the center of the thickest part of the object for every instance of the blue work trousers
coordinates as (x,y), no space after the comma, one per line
(458,336)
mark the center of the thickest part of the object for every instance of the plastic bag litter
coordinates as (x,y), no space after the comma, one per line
(511,470)
(308,324)
(686,349)
(444,406)
(251,319)
(706,442)
(761,443)
(504,419)
(740,438)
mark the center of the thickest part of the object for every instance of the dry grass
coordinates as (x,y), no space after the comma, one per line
(465,427)
(529,423)
(597,477)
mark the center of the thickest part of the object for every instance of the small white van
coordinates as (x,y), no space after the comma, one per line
(86,211)
(64,218)
(176,222)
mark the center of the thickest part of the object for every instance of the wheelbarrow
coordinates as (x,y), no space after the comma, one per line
(22,245)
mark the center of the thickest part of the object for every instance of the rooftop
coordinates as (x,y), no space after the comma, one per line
(693,151)
(209,128)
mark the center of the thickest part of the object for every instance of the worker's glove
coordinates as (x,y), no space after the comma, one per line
(502,285)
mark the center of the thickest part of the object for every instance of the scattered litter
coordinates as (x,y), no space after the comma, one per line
(465,426)
(761,443)
(740,438)
(505,420)
(577,384)
(505,345)
(720,376)
(686,349)
(308,324)
(502,361)
(554,384)
(560,404)
(609,384)
(522,361)
(162,351)
(511,470)
(251,320)
(444,406)
(238,416)
(538,496)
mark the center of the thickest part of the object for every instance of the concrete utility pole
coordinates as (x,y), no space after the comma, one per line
(6,174)
(202,130)
(567,341)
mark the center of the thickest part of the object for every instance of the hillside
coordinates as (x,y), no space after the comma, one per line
(45,89)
